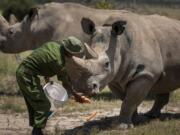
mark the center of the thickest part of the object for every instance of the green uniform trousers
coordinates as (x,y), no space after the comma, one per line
(37,103)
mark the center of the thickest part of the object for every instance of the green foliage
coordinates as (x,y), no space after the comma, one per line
(103,4)
(18,7)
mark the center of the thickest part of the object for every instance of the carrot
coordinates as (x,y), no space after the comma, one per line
(85,99)
(88,118)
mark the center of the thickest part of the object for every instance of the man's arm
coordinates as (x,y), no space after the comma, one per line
(78,97)
(63,77)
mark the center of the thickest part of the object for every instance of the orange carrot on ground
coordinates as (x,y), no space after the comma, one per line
(90,117)
(85,99)
(82,99)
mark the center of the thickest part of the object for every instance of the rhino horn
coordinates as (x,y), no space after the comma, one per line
(82,63)
(12,19)
(90,53)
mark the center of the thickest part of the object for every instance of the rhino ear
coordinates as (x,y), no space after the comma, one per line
(32,13)
(88,25)
(118,27)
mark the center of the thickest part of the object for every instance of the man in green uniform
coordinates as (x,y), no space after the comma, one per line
(47,61)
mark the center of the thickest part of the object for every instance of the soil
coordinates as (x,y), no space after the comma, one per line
(66,124)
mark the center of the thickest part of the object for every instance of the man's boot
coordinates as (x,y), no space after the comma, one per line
(37,131)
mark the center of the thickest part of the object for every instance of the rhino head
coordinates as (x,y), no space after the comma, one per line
(18,36)
(79,70)
(4,25)
(92,74)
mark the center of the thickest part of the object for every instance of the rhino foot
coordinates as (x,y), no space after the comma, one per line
(121,125)
(153,114)
(124,126)
(139,119)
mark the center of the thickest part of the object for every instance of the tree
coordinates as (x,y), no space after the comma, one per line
(17,7)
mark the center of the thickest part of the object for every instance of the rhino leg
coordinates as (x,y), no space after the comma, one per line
(119,93)
(117,90)
(160,101)
(136,92)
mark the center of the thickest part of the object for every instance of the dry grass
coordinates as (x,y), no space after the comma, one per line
(172,12)
(8,66)
(104,101)
(157,127)
(12,104)
(166,11)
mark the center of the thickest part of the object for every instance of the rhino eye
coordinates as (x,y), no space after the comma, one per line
(107,64)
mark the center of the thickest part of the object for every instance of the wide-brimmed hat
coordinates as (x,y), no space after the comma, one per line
(73,45)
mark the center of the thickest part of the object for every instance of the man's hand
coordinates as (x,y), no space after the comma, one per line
(77,97)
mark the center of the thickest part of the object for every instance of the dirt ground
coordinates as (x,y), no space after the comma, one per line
(66,124)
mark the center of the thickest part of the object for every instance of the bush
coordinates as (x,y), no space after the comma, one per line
(17,7)
(103,4)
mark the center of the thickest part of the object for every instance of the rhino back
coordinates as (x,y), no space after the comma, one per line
(64,19)
(158,48)
(154,43)
(167,32)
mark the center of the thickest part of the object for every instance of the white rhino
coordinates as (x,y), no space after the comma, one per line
(53,21)
(137,55)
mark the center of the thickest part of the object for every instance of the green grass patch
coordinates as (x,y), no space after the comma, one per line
(12,104)
(10,62)
(8,66)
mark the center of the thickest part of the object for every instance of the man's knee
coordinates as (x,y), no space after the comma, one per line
(47,105)
(44,105)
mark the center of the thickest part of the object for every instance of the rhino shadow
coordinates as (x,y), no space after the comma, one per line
(108,96)
(106,124)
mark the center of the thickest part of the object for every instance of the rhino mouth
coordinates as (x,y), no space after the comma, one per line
(89,92)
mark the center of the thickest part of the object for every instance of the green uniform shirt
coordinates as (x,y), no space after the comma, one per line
(48,60)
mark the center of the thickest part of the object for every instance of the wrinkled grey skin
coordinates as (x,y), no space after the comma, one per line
(144,57)
(53,21)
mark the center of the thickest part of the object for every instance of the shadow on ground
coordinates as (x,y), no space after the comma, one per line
(105,124)
(108,96)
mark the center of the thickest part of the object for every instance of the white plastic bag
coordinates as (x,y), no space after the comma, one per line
(56,94)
